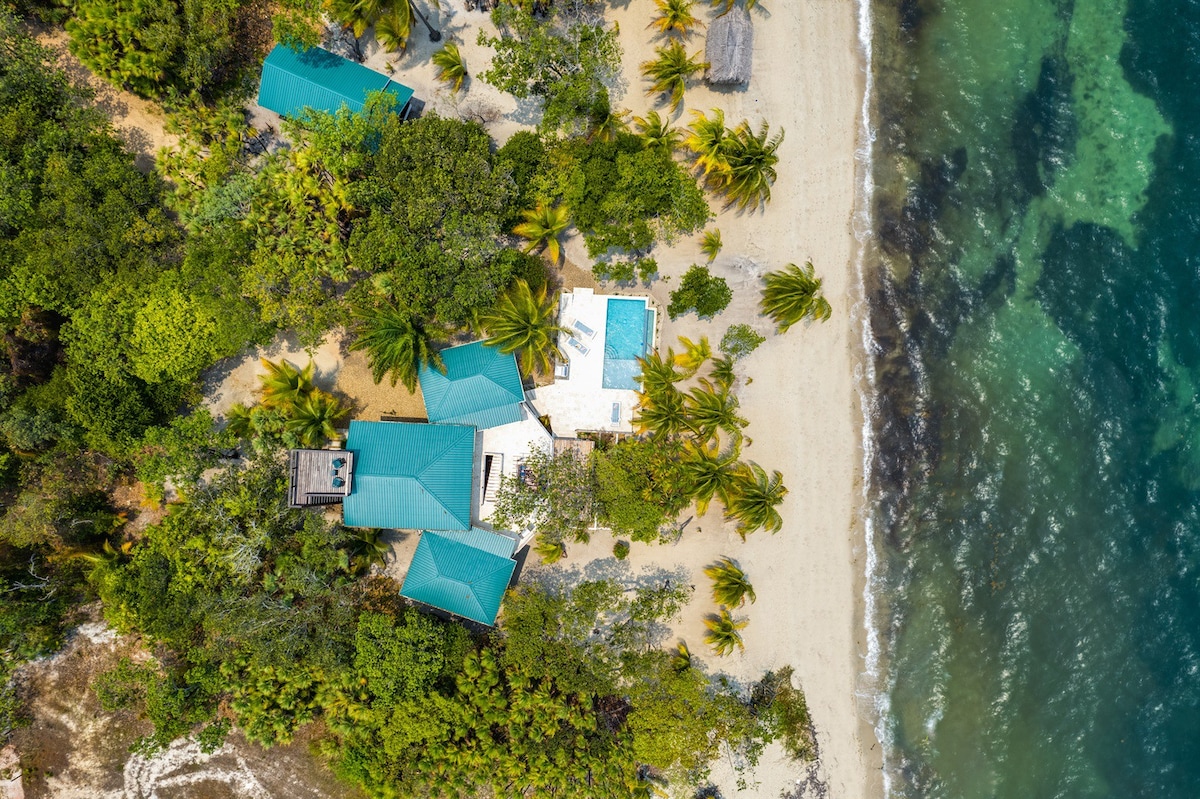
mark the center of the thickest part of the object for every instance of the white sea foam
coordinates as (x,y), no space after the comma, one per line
(863,226)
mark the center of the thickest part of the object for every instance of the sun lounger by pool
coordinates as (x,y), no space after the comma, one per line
(575,343)
(562,371)
(616,414)
(584,329)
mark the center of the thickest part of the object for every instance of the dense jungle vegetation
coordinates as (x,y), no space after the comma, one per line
(119,288)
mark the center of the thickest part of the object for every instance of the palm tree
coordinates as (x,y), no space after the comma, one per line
(542,226)
(675,17)
(522,322)
(658,373)
(723,632)
(396,343)
(681,658)
(752,500)
(671,71)
(656,132)
(395,27)
(730,586)
(750,160)
(709,471)
(662,414)
(709,410)
(357,15)
(239,420)
(793,293)
(722,372)
(284,385)
(710,245)
(313,418)
(607,126)
(708,140)
(451,67)
(369,548)
(549,550)
(694,354)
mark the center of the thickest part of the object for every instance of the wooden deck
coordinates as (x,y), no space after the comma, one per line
(312,473)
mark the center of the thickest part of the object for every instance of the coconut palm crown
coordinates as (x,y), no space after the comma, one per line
(675,18)
(396,343)
(792,294)
(656,132)
(662,414)
(314,418)
(452,68)
(542,227)
(724,633)
(730,586)
(752,500)
(284,384)
(710,472)
(523,323)
(670,72)
(750,160)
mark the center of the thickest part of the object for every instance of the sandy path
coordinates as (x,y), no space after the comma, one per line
(137,122)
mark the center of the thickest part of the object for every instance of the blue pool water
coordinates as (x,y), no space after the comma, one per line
(626,339)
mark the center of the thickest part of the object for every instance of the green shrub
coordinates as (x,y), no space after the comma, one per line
(621,550)
(701,292)
(739,341)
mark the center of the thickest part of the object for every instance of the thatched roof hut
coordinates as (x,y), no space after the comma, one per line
(728,48)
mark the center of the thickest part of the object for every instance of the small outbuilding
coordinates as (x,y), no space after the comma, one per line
(729,48)
(462,573)
(293,80)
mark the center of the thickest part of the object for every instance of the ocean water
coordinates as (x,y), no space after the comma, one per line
(1033,282)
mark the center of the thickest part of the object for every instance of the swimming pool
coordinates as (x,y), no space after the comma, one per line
(628,332)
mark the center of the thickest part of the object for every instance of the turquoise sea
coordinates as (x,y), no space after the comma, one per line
(1034,294)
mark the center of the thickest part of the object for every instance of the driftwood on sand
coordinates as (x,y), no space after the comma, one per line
(729,46)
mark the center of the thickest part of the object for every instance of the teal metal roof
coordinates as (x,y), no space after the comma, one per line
(481,386)
(410,476)
(450,573)
(294,80)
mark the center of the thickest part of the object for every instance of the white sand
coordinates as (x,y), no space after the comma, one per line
(802,403)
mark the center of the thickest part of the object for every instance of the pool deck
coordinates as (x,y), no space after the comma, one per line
(579,402)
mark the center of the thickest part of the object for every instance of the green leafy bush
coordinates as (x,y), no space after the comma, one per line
(739,341)
(700,291)
(621,550)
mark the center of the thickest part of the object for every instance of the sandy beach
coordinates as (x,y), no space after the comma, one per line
(801,396)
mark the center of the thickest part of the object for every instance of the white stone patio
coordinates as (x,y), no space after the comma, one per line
(577,400)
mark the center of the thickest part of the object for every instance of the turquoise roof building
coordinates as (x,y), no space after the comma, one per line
(463,573)
(410,476)
(314,78)
(481,387)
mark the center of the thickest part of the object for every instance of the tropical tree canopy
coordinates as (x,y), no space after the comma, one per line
(792,294)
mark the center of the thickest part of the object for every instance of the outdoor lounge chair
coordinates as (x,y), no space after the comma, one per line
(616,412)
(584,329)
(574,342)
